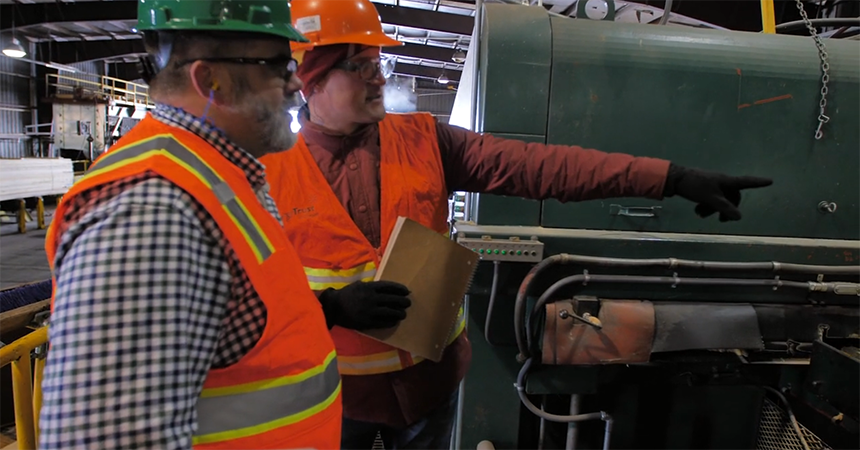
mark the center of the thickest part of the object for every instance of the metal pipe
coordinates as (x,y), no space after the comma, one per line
(833,21)
(26,413)
(479,18)
(13,74)
(15,136)
(674,263)
(14,108)
(542,429)
(520,304)
(669,263)
(572,432)
(23,399)
(35,144)
(493,291)
(667,10)
(38,376)
(600,415)
(458,426)
(461,394)
(838,288)
(768,19)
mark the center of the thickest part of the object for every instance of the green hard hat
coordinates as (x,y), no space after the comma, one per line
(252,16)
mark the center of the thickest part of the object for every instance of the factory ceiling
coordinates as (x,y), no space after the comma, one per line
(68,32)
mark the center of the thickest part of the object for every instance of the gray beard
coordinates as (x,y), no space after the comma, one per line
(276,134)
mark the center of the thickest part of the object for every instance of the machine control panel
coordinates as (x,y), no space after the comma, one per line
(513,249)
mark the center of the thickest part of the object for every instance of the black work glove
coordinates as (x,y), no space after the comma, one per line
(365,305)
(713,192)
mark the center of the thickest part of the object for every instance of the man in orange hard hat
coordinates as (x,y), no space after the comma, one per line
(355,169)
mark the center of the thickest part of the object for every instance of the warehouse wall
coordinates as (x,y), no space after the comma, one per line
(436,102)
(14,107)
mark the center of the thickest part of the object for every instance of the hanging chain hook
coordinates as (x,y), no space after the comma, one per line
(825,70)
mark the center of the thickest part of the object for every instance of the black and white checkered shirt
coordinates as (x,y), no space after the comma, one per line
(150,297)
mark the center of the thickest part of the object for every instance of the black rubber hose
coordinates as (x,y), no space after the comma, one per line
(522,294)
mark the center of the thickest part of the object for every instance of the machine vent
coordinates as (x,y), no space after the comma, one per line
(776,433)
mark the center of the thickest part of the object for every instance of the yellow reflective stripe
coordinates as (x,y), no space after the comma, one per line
(389,361)
(321,279)
(166,145)
(459,327)
(310,271)
(370,364)
(270,383)
(269,426)
(256,225)
(252,408)
(244,234)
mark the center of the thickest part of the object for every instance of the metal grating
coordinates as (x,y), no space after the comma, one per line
(776,433)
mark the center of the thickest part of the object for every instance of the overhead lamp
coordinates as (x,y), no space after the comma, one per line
(459,57)
(15,50)
(442,79)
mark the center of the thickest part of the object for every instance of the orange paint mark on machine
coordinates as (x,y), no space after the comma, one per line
(765,100)
(773,99)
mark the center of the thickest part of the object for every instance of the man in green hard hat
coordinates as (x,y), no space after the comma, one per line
(181,314)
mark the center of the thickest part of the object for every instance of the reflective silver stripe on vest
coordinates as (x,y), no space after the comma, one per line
(346,279)
(221,189)
(236,411)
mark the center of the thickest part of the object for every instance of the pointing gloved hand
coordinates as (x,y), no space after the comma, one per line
(365,305)
(713,192)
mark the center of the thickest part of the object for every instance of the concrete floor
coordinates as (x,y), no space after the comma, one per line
(22,256)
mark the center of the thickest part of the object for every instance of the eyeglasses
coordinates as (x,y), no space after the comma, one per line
(368,69)
(283,66)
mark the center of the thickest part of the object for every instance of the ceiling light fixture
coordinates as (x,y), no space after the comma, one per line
(442,79)
(14,50)
(459,57)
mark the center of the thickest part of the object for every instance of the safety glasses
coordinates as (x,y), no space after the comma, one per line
(368,69)
(283,66)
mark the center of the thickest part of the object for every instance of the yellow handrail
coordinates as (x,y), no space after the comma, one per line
(26,392)
(120,91)
(768,19)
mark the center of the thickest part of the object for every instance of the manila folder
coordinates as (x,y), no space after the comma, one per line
(437,271)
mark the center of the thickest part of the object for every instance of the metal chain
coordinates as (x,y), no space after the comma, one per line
(825,69)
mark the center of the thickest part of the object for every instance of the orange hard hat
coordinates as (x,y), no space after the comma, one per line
(327,22)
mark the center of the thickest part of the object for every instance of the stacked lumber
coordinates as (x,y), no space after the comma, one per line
(34,177)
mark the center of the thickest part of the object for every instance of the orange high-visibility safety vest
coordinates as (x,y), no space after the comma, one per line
(334,251)
(286,392)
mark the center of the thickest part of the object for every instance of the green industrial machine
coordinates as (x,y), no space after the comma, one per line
(654,327)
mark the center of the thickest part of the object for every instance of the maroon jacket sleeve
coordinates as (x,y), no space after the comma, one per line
(483,163)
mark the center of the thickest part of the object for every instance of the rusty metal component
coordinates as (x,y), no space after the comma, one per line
(626,335)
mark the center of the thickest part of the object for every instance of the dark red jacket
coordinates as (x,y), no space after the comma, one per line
(473,163)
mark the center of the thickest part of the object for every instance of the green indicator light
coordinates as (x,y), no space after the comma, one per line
(504,252)
(481,251)
(519,252)
(496,251)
